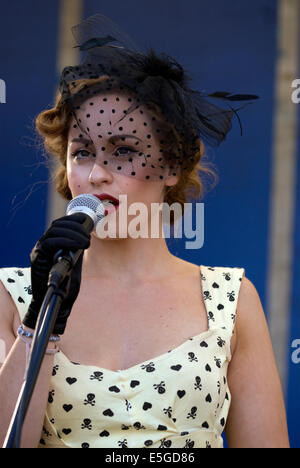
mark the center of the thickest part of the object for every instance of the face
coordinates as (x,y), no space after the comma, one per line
(100,160)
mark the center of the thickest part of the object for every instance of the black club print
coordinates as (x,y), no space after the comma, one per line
(28,289)
(90,399)
(54,371)
(160,387)
(231,295)
(227,276)
(97,376)
(19,272)
(51,395)
(189,443)
(192,357)
(128,405)
(125,428)
(47,433)
(208,445)
(148,367)
(220,342)
(122,443)
(193,413)
(87,424)
(198,385)
(207,295)
(211,317)
(168,411)
(218,362)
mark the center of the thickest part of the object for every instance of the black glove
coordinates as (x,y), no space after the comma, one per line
(65,233)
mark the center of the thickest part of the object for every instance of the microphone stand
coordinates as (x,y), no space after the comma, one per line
(45,324)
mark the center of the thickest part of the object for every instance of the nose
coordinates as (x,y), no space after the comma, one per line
(100,173)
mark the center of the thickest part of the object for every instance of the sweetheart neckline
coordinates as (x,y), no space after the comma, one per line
(160,356)
(157,358)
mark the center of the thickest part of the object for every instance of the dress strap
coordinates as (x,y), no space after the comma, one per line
(17,281)
(220,287)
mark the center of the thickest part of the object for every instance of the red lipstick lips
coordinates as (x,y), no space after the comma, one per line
(110,198)
(106,196)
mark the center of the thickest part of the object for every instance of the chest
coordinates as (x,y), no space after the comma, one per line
(117,327)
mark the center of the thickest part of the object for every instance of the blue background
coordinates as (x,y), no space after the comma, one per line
(225,45)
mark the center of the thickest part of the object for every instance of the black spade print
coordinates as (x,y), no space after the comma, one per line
(208,399)
(104,434)
(21,300)
(205,425)
(215,285)
(114,389)
(85,445)
(222,422)
(147,406)
(203,344)
(181,393)
(208,368)
(177,367)
(220,307)
(71,380)
(10,280)
(134,383)
(67,408)
(108,412)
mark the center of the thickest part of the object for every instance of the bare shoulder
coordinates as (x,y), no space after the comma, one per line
(254,380)
(250,313)
(185,267)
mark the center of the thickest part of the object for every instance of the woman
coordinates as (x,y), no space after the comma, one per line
(154,351)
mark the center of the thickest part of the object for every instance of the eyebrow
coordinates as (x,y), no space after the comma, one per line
(112,139)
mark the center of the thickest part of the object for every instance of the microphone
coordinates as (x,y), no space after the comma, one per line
(63,262)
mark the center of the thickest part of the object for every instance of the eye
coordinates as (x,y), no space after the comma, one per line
(126,148)
(76,154)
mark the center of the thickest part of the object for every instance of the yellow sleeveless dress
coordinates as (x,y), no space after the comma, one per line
(179,399)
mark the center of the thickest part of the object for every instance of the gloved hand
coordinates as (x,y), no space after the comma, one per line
(65,233)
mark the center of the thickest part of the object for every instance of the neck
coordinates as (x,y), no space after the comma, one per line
(127,260)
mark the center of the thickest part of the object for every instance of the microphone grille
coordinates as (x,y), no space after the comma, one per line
(87,203)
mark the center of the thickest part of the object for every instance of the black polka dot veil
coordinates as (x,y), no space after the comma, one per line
(119,90)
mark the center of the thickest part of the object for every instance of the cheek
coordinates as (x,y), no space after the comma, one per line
(75,177)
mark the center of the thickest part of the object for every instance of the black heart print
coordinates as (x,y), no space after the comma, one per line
(177,367)
(147,406)
(67,408)
(71,380)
